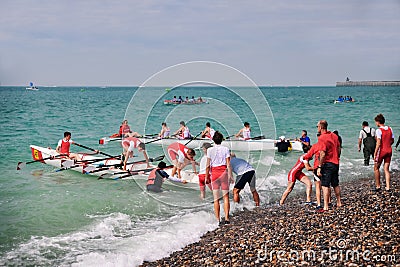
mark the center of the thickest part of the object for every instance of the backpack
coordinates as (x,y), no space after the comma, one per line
(369,141)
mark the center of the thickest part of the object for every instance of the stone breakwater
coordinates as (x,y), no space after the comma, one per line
(365,231)
(368,83)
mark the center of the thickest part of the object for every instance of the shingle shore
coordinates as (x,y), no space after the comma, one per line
(364,231)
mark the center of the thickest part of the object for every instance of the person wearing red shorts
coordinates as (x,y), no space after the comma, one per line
(218,164)
(296,174)
(383,151)
(181,156)
(202,171)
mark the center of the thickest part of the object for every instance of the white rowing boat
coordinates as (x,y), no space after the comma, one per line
(100,167)
(91,165)
(232,144)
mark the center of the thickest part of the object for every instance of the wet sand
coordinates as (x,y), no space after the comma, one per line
(364,231)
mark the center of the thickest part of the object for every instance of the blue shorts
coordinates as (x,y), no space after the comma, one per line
(330,175)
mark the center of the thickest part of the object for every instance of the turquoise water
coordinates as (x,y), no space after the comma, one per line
(65,218)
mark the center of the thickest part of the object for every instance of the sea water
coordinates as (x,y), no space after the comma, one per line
(51,218)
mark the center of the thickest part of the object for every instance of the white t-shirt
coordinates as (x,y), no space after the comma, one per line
(203,165)
(217,155)
(363,135)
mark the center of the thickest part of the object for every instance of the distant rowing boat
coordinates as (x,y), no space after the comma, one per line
(171,102)
(32,87)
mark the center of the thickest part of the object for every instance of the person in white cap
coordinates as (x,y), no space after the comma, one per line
(283,145)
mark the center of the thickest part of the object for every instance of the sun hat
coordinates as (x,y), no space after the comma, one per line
(282,137)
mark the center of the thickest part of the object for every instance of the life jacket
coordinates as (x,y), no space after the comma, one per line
(127,142)
(369,141)
(124,129)
(65,145)
(155,178)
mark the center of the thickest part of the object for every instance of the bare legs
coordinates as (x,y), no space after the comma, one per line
(225,196)
(236,196)
(377,175)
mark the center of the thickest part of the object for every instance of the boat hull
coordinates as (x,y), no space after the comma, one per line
(234,145)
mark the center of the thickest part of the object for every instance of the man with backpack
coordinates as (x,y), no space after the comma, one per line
(367,137)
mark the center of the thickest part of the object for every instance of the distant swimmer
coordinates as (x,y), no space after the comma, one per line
(244,133)
(305,141)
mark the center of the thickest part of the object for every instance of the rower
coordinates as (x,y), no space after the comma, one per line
(129,144)
(64,145)
(244,133)
(208,132)
(165,131)
(183,132)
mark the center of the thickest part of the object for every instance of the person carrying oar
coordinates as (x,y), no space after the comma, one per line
(64,145)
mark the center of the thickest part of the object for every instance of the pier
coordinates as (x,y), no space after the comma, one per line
(368,83)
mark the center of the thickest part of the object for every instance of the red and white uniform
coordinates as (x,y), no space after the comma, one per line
(210,133)
(385,134)
(124,129)
(185,134)
(246,133)
(296,172)
(177,152)
(64,146)
(202,172)
(130,143)
(219,174)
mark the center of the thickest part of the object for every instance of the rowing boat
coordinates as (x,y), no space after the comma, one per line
(232,144)
(91,165)
(101,168)
(171,102)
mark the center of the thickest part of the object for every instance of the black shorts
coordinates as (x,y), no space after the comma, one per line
(330,175)
(246,177)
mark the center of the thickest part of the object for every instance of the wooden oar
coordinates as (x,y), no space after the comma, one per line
(136,172)
(70,164)
(90,169)
(23,164)
(258,137)
(95,150)
(228,137)
(192,139)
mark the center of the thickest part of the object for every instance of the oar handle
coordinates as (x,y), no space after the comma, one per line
(92,149)
(192,139)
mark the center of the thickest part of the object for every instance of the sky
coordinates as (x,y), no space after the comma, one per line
(124,42)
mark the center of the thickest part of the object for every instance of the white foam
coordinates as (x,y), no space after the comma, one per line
(117,241)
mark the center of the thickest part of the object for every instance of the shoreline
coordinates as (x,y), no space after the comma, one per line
(364,231)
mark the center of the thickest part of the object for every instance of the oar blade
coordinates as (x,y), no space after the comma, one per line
(67,164)
(20,165)
(159,158)
(90,168)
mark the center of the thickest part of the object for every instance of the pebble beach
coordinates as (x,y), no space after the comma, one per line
(365,231)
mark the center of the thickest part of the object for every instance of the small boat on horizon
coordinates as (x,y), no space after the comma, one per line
(32,87)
